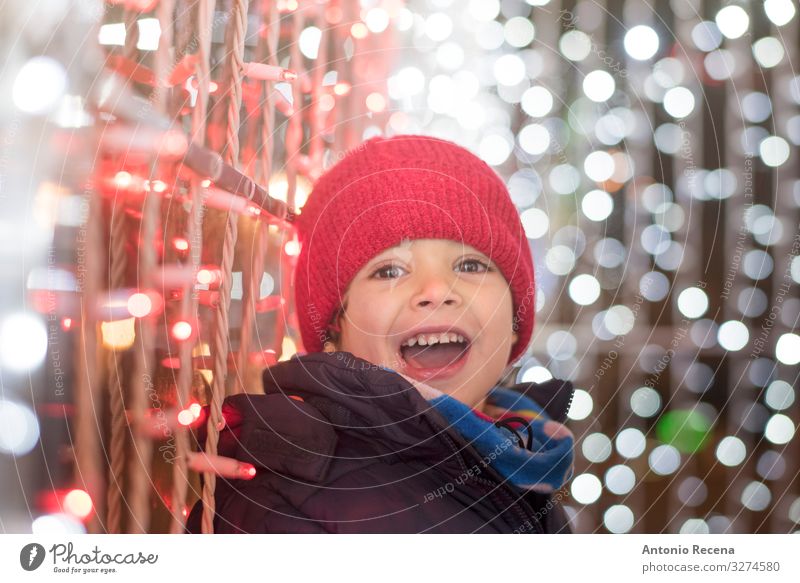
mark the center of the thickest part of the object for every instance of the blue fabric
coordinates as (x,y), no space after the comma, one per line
(546,467)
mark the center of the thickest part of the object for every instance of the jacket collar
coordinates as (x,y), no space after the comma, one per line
(353,393)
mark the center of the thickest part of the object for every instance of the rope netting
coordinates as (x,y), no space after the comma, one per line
(206,141)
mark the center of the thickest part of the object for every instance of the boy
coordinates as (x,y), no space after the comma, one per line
(414,292)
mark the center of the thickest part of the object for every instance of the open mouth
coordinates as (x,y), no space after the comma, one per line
(434,352)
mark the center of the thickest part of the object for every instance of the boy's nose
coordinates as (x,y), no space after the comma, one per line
(436,292)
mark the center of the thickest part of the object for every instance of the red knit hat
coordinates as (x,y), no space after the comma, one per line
(405,187)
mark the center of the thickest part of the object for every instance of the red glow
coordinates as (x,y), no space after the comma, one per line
(158,186)
(172,362)
(342,88)
(66,324)
(122,179)
(180,244)
(186,418)
(208,276)
(181,330)
(333,14)
(246,471)
(78,503)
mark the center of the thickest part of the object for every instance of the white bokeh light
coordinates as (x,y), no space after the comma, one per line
(620,479)
(560,260)
(779,395)
(19,428)
(733,335)
(561,345)
(599,166)
(679,102)
(494,149)
(584,289)
(768,52)
(597,205)
(537,101)
(519,31)
(732,21)
(535,222)
(438,26)
(509,69)
(780,12)
(23,342)
(787,349)
(597,448)
(641,42)
(39,86)
(619,320)
(731,451)
(664,460)
(586,488)
(582,405)
(706,36)
(575,45)
(58,524)
(484,10)
(618,519)
(599,86)
(693,302)
(645,402)
(756,496)
(779,429)
(377,20)
(309,41)
(408,82)
(630,443)
(534,139)
(774,151)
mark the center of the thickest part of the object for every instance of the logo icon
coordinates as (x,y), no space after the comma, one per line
(31,556)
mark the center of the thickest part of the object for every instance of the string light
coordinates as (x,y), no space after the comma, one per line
(78,503)
(181,330)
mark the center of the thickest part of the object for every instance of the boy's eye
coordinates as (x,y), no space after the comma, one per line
(388,272)
(473,266)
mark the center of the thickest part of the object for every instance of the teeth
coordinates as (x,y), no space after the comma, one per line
(431,339)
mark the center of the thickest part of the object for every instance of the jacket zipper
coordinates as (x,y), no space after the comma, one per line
(504,493)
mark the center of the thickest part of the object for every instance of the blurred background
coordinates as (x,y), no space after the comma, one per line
(650,147)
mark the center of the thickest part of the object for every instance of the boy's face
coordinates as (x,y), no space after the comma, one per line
(432,287)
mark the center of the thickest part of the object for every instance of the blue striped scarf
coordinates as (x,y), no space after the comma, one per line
(543,465)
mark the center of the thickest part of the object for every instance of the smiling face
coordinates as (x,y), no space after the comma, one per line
(435,310)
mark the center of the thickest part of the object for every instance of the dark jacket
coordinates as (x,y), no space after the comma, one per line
(363,452)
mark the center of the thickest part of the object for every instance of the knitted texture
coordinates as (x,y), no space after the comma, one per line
(405,187)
